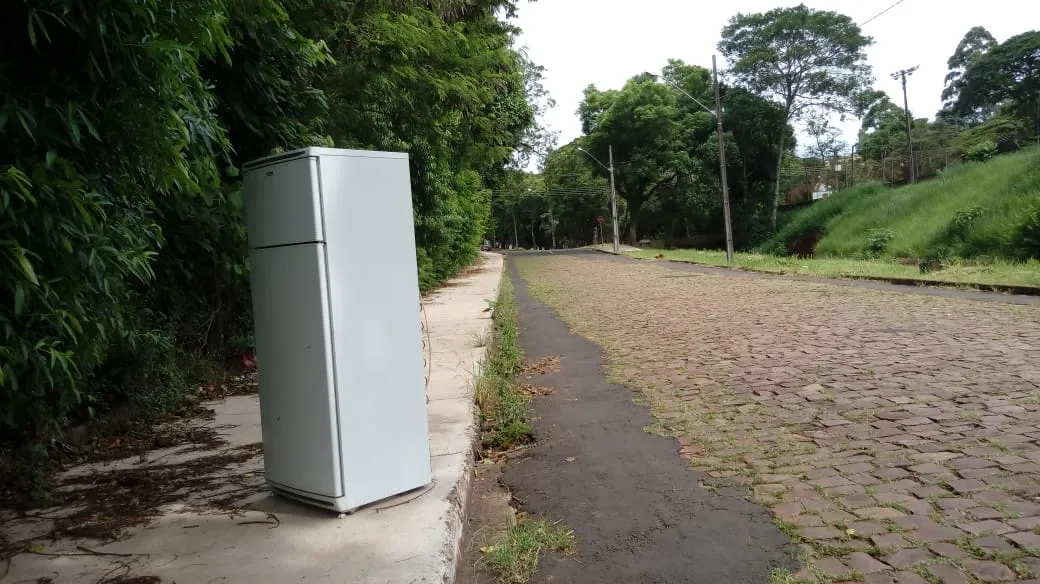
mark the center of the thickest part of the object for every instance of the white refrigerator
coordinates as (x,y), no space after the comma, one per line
(336,310)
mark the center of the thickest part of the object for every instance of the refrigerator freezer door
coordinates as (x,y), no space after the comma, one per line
(294,355)
(284,206)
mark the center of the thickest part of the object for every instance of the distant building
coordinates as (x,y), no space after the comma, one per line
(806,192)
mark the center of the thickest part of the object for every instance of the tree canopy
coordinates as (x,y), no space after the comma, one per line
(976,42)
(1006,77)
(800,58)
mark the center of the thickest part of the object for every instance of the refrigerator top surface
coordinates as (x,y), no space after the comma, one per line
(315,152)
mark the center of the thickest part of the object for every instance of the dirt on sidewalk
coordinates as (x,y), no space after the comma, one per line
(635,506)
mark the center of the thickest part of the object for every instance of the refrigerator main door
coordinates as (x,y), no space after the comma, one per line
(294,352)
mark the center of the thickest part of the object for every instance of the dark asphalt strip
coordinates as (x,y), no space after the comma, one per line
(633,503)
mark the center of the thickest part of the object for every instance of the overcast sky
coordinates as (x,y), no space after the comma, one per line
(605,42)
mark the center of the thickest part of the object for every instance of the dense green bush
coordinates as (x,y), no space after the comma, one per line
(1028,234)
(122,125)
(877,240)
(104,115)
(981,152)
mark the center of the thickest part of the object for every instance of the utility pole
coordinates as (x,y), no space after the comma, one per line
(717,112)
(613,199)
(852,183)
(613,190)
(722,165)
(902,75)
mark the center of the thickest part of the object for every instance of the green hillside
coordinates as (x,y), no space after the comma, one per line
(985,210)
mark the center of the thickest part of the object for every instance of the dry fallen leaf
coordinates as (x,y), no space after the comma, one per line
(532,390)
(543,365)
(487,549)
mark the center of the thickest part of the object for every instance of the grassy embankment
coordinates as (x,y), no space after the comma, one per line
(979,221)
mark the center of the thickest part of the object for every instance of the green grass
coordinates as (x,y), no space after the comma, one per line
(962,272)
(922,218)
(512,554)
(504,409)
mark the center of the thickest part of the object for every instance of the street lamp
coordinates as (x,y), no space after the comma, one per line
(613,191)
(722,153)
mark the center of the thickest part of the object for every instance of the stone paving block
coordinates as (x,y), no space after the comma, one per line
(967,485)
(970,462)
(988,571)
(987,526)
(908,558)
(855,468)
(864,479)
(867,528)
(830,481)
(891,473)
(1025,523)
(844,490)
(1025,539)
(919,507)
(889,540)
(929,492)
(948,550)
(985,513)
(865,563)
(980,473)
(935,532)
(787,510)
(825,532)
(909,578)
(994,544)
(830,566)
(879,578)
(928,468)
(879,513)
(947,574)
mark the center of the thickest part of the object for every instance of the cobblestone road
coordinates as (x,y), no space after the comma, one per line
(895,435)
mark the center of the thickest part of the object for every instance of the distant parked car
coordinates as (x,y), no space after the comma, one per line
(485,246)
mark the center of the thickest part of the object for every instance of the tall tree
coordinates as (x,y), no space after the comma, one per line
(537,140)
(1005,78)
(976,42)
(641,123)
(800,57)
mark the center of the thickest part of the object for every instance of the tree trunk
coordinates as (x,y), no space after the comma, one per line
(776,192)
(633,216)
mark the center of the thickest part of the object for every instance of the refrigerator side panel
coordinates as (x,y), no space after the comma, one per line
(374,292)
(283,206)
(294,355)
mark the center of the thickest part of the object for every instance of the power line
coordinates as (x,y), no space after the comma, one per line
(869,20)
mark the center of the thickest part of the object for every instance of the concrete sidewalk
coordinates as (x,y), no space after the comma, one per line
(215,521)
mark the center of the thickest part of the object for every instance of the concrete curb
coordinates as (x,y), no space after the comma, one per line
(464,420)
(1021,290)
